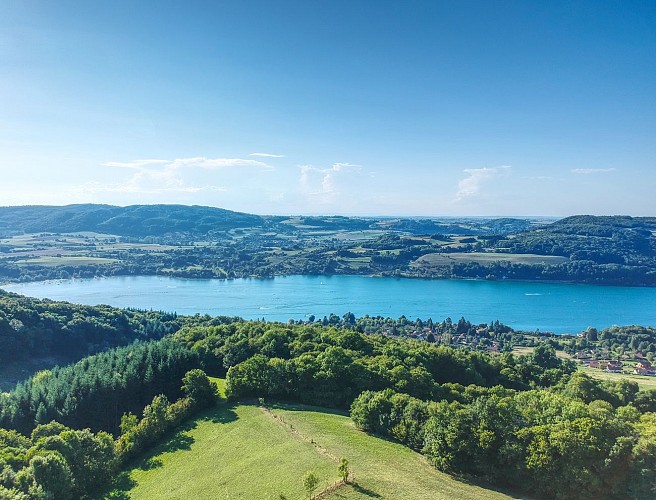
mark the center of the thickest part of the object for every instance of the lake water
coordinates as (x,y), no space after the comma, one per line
(555,307)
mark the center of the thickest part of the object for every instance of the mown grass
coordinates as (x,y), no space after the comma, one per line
(644,383)
(69,260)
(449,259)
(230,452)
(382,468)
(248,452)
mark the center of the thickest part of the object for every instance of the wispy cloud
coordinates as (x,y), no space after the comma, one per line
(588,171)
(135,164)
(195,162)
(266,155)
(153,176)
(323,182)
(135,188)
(471,185)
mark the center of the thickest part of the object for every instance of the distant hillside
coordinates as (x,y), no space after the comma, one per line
(135,220)
(139,221)
(620,240)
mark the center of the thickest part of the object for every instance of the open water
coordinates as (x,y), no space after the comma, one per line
(555,307)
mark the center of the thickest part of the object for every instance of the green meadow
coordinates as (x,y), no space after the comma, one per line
(252,452)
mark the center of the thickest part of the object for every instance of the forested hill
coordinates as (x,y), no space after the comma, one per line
(39,242)
(135,220)
(158,220)
(620,240)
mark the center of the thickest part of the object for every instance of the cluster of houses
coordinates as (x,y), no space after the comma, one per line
(642,366)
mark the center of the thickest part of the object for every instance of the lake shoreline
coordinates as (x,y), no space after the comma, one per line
(528,306)
(376,275)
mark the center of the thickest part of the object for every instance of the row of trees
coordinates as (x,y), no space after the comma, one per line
(57,462)
(330,367)
(96,391)
(547,444)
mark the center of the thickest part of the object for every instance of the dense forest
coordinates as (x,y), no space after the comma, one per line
(512,421)
(31,327)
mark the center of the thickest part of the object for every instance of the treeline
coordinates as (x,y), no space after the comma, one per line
(603,240)
(616,250)
(447,332)
(32,328)
(57,462)
(96,391)
(550,444)
(134,220)
(579,271)
(330,367)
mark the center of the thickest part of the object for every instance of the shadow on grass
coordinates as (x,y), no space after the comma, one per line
(179,440)
(365,491)
(482,483)
(222,413)
(151,463)
(122,484)
(278,405)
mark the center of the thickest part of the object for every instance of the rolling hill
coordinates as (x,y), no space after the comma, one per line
(249,451)
(135,220)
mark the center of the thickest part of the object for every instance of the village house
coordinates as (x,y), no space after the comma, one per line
(614,367)
(644,367)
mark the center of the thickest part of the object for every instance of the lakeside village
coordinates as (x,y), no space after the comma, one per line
(638,365)
(618,349)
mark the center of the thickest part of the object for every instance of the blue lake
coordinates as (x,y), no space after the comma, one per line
(555,307)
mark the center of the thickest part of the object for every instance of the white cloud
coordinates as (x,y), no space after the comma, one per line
(134,188)
(215,163)
(165,176)
(588,171)
(470,186)
(135,164)
(323,182)
(267,155)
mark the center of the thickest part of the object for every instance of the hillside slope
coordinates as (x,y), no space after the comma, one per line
(252,452)
(135,220)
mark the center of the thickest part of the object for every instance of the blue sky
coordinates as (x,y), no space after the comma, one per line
(340,107)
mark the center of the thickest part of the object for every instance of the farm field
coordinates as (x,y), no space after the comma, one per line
(523,351)
(448,259)
(645,383)
(68,260)
(246,451)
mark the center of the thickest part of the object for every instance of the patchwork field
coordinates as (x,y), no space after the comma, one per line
(449,259)
(645,383)
(247,451)
(68,260)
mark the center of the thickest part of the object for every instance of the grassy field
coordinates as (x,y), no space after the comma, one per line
(645,383)
(229,452)
(250,452)
(68,260)
(523,351)
(382,468)
(448,259)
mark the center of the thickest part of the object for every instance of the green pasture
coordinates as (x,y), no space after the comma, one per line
(247,451)
(65,260)
(449,259)
(644,382)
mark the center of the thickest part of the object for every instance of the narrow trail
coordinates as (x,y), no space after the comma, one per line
(320,449)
